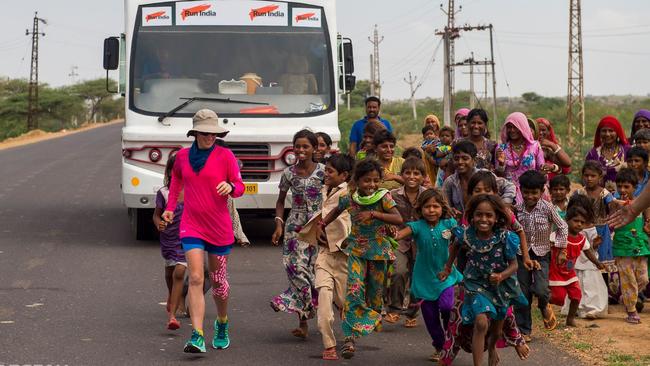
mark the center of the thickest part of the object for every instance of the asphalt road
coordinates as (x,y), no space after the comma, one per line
(77,289)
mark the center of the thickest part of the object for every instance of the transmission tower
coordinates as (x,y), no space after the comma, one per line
(575,84)
(375,81)
(32,106)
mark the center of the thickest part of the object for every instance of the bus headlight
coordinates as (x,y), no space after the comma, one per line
(289,158)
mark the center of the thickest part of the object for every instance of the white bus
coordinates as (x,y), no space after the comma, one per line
(268,68)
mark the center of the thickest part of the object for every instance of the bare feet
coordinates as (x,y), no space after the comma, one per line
(493,357)
(522,351)
(571,322)
(301,331)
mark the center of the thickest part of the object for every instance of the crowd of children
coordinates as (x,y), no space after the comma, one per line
(468,232)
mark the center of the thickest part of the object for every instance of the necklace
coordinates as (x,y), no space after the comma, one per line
(517,157)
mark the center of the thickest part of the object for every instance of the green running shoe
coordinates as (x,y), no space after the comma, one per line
(196,344)
(220,339)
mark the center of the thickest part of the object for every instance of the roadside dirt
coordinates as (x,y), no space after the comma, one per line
(35,136)
(602,342)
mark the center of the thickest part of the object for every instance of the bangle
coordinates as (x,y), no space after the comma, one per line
(557,150)
(278,218)
(232,187)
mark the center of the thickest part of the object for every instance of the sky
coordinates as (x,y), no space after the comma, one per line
(531,43)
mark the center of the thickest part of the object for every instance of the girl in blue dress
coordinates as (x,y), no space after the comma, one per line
(490,287)
(432,235)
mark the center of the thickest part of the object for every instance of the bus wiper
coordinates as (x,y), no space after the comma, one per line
(188,101)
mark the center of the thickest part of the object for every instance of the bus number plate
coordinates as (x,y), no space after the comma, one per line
(250,188)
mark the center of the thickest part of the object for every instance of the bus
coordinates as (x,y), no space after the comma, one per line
(267,68)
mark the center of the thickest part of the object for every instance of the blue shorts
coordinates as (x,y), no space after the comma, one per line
(190,243)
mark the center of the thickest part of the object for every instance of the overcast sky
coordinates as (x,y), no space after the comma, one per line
(530,49)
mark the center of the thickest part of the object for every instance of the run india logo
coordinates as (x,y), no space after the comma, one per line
(198,11)
(156,16)
(306,17)
(266,11)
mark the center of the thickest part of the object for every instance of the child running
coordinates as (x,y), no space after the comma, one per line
(305,180)
(489,281)
(432,234)
(563,280)
(406,198)
(593,303)
(369,250)
(171,248)
(331,267)
(592,178)
(538,218)
(630,249)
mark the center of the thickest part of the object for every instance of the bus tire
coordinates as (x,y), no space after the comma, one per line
(142,223)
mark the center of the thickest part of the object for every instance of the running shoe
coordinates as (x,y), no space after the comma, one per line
(220,339)
(196,344)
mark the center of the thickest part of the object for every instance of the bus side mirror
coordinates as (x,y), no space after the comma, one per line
(349,81)
(348,58)
(111,53)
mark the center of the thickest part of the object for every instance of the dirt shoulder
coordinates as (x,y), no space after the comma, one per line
(609,341)
(35,136)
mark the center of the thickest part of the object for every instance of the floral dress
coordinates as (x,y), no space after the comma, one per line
(532,158)
(298,256)
(485,257)
(369,252)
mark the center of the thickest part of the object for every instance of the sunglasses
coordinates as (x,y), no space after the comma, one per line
(207,134)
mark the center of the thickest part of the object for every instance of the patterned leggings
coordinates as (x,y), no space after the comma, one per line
(633,273)
(364,297)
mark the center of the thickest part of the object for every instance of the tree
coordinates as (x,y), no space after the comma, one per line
(531,97)
(94,93)
(360,93)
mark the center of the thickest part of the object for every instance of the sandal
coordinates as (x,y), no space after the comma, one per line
(550,322)
(633,318)
(392,317)
(435,357)
(410,323)
(329,354)
(347,351)
(173,324)
(527,338)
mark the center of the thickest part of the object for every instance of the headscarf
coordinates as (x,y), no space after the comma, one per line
(434,118)
(641,113)
(549,127)
(520,122)
(533,128)
(614,124)
(463,112)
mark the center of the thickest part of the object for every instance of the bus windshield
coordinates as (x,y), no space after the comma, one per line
(288,70)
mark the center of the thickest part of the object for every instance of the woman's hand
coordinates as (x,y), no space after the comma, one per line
(168,216)
(501,156)
(622,216)
(224,188)
(548,144)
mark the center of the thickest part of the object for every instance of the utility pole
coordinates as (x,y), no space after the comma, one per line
(32,105)
(449,34)
(472,98)
(471,62)
(374,63)
(73,74)
(411,82)
(575,82)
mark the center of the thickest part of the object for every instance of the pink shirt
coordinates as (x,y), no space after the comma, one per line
(205,215)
